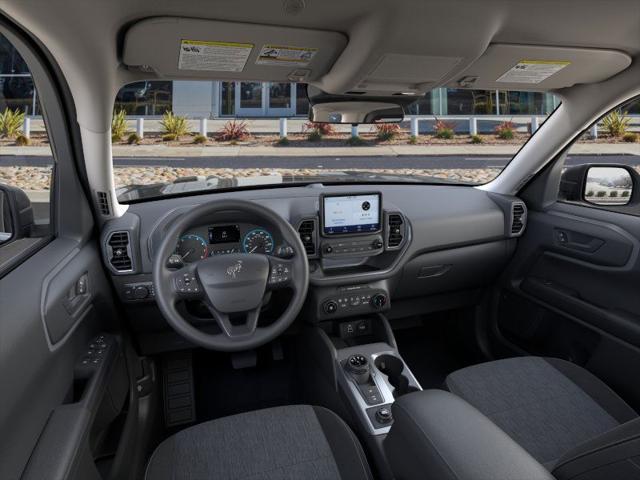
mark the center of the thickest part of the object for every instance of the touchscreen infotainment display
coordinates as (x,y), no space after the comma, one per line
(351,214)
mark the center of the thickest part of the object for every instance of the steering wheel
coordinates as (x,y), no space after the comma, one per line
(232,286)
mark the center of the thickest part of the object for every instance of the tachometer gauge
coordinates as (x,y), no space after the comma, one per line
(258,241)
(191,248)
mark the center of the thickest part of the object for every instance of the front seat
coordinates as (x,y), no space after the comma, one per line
(292,442)
(564,416)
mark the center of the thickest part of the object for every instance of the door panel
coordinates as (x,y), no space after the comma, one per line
(571,292)
(39,370)
(58,400)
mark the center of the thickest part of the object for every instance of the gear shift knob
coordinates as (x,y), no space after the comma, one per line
(358,366)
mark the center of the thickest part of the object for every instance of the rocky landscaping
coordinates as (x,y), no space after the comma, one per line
(39,178)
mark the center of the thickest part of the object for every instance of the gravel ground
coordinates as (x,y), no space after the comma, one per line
(39,178)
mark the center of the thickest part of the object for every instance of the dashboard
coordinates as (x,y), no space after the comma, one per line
(399,249)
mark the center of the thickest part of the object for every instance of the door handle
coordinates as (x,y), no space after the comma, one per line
(78,295)
(577,241)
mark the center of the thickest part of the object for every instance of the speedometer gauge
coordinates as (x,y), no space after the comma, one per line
(258,241)
(191,248)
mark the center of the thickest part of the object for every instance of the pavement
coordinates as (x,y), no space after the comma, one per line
(332,162)
(209,151)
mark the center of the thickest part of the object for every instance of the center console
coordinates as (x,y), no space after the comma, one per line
(359,360)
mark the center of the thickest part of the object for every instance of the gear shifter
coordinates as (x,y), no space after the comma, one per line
(358,366)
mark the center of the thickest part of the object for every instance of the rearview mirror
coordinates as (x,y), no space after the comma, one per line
(355,109)
(16,214)
(608,186)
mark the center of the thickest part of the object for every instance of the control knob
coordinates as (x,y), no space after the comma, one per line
(379,300)
(383,415)
(358,366)
(330,307)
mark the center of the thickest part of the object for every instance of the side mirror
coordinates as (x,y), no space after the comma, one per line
(16,214)
(604,185)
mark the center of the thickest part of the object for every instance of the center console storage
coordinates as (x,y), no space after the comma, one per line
(438,435)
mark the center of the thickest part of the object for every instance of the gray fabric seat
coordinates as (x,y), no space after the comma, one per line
(548,406)
(293,442)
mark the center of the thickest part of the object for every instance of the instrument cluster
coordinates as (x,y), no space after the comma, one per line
(208,241)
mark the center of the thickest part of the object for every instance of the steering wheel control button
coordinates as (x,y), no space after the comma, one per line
(187,284)
(279,275)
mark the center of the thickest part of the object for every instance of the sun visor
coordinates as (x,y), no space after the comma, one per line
(538,68)
(188,48)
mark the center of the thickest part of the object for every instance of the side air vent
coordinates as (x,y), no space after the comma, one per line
(103,203)
(395,230)
(119,251)
(518,218)
(307,231)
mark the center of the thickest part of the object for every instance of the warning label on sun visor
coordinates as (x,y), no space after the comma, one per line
(213,56)
(532,71)
(285,55)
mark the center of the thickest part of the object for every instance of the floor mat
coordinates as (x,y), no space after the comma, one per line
(433,350)
(220,390)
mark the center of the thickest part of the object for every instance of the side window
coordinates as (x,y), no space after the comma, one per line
(602,167)
(26,160)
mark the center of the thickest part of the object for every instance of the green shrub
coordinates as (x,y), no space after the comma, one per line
(355,141)
(386,131)
(169,137)
(200,139)
(445,133)
(476,139)
(616,123)
(118,125)
(134,139)
(630,137)
(613,193)
(283,141)
(11,123)
(625,193)
(233,131)
(506,130)
(22,140)
(601,193)
(413,140)
(589,193)
(314,136)
(174,125)
(444,130)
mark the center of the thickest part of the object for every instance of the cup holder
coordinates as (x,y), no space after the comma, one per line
(393,367)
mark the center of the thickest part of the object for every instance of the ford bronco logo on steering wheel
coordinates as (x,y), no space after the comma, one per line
(234,269)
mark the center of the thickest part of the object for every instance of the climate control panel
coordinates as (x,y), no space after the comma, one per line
(354,300)
(366,246)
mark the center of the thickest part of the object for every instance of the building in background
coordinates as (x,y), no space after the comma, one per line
(215,99)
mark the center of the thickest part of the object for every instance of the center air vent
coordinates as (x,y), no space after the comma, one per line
(396,229)
(307,231)
(518,218)
(119,252)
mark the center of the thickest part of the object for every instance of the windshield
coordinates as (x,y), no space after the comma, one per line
(188,136)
